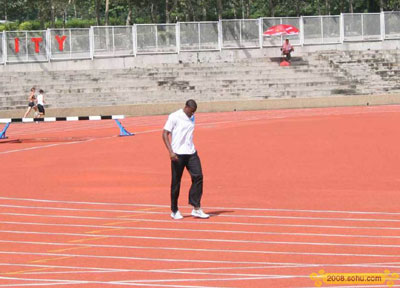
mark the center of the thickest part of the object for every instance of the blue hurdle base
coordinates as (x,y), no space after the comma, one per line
(3,133)
(122,130)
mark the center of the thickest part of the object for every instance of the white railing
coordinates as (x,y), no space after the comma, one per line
(199,36)
(321,30)
(391,25)
(25,46)
(156,38)
(69,44)
(240,33)
(111,41)
(114,41)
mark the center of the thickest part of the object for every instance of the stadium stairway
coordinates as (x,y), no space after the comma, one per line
(322,74)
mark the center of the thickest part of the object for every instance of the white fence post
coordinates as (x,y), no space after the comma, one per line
(3,45)
(178,37)
(301,30)
(70,43)
(341,28)
(48,44)
(91,42)
(5,51)
(220,35)
(113,39)
(383,30)
(362,27)
(134,39)
(261,32)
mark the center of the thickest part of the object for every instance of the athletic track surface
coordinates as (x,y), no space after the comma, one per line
(291,192)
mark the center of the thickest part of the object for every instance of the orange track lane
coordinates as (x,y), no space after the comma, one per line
(291,192)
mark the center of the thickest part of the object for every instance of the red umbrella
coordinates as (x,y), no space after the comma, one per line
(281,29)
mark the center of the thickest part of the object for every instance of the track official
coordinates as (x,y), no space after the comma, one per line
(180,125)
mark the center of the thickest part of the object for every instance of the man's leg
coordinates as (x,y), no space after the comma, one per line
(176,173)
(196,190)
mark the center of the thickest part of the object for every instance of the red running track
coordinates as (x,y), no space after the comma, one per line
(291,192)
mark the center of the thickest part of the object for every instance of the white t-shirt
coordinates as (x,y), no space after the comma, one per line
(40,99)
(181,128)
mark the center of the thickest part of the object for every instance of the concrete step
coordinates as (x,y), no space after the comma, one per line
(34,78)
(59,87)
(183,85)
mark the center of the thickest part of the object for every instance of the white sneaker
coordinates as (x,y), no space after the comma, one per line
(200,214)
(177,215)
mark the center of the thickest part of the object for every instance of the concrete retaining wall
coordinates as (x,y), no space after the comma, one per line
(221,106)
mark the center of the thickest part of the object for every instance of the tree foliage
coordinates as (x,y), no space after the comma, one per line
(61,13)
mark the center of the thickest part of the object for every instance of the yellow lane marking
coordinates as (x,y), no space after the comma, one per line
(87,239)
(49,259)
(67,249)
(132,215)
(115,223)
(25,271)
(126,221)
(98,231)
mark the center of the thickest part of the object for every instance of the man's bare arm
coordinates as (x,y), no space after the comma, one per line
(167,143)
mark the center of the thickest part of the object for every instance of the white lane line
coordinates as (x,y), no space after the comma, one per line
(304,265)
(80,202)
(227,216)
(162,271)
(204,230)
(271,265)
(206,239)
(202,250)
(37,282)
(192,261)
(166,271)
(203,222)
(212,279)
(56,144)
(43,146)
(154,283)
(177,272)
(50,282)
(209,208)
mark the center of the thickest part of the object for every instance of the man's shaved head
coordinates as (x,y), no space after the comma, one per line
(191,103)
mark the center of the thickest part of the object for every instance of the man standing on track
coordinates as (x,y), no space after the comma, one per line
(180,125)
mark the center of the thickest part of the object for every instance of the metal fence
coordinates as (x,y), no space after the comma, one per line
(392,25)
(240,33)
(109,41)
(321,30)
(156,38)
(69,44)
(362,27)
(114,41)
(200,36)
(26,46)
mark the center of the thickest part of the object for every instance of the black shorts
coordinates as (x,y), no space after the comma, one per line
(40,108)
(31,104)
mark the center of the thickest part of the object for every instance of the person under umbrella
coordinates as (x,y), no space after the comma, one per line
(286,50)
